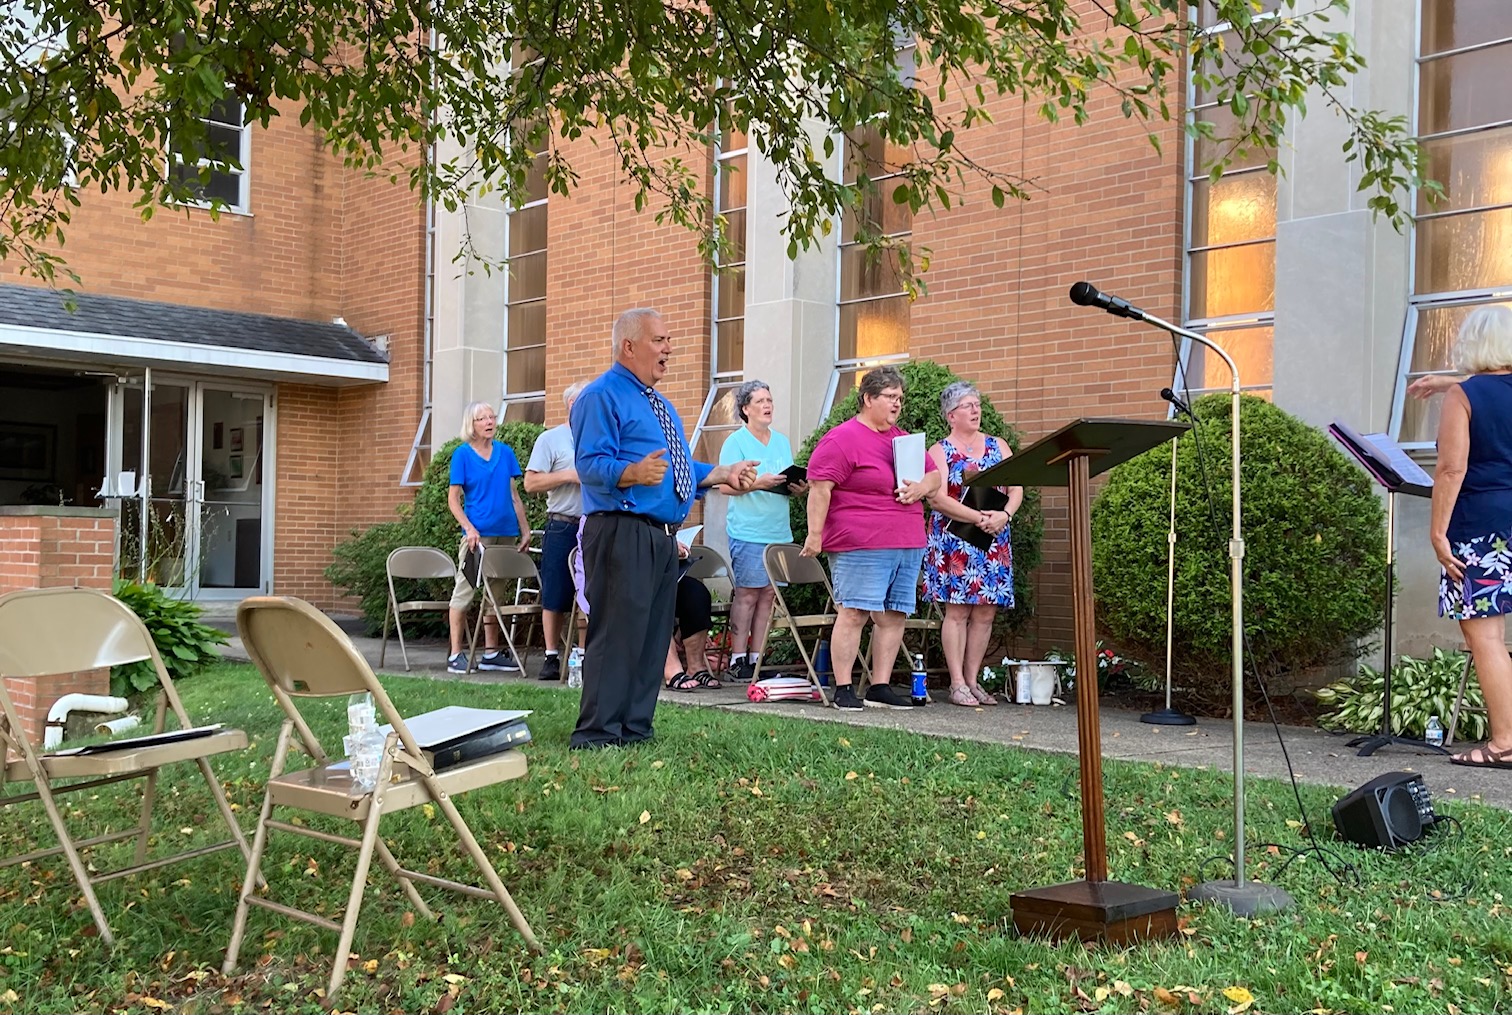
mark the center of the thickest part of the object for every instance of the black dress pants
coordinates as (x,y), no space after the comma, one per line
(631,569)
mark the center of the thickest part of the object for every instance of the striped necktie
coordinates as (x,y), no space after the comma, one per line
(677,448)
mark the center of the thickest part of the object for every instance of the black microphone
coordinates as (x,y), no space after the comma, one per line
(1085,294)
(1174,399)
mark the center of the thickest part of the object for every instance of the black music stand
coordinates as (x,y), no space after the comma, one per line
(1094,908)
(1389,466)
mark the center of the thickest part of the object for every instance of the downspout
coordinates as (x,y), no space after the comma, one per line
(57,716)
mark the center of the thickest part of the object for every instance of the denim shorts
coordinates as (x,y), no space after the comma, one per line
(875,580)
(556,565)
(748,561)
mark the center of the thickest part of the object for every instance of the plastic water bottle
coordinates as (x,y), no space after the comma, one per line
(362,716)
(1433,736)
(575,667)
(920,681)
(366,759)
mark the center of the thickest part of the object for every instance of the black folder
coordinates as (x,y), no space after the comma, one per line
(795,474)
(980,498)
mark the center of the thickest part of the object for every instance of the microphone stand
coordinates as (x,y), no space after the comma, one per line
(1169,716)
(1242,896)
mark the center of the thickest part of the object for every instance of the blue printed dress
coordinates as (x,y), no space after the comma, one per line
(954,570)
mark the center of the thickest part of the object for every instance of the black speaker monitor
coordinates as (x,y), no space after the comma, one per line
(1388,812)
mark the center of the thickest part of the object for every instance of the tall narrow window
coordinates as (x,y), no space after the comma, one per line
(1462,245)
(727,339)
(873,305)
(1231,251)
(525,317)
(215,168)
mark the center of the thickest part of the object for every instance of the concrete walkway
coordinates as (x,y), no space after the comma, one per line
(1316,756)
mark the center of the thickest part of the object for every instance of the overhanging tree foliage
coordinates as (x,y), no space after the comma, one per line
(92,90)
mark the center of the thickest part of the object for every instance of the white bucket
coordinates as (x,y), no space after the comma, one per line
(1041,680)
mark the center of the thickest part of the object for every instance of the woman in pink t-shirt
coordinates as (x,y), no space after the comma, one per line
(872,528)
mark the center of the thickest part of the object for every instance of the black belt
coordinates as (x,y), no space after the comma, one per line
(557,516)
(670,530)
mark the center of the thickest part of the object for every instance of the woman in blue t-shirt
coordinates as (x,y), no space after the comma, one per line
(1471,526)
(485,501)
(756,519)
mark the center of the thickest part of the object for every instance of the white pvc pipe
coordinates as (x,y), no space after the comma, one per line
(121,725)
(58,714)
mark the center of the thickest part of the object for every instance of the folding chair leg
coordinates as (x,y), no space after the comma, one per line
(359,886)
(403,649)
(495,884)
(75,863)
(808,664)
(383,648)
(254,861)
(149,797)
(1459,701)
(224,806)
(387,859)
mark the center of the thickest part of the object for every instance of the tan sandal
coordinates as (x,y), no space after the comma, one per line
(982,697)
(962,696)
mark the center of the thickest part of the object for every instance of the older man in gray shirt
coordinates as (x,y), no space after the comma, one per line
(551,471)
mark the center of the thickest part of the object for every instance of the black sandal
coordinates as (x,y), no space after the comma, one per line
(707,679)
(681,682)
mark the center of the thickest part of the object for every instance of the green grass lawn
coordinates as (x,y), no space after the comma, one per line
(758,863)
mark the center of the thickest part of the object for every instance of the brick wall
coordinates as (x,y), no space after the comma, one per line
(54,548)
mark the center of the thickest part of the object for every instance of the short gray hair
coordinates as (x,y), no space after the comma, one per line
(572,391)
(1485,341)
(745,393)
(878,380)
(954,394)
(631,325)
(468,421)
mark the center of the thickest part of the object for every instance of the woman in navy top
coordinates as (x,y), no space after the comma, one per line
(1472,515)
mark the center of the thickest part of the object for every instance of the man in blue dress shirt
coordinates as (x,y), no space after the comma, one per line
(639,480)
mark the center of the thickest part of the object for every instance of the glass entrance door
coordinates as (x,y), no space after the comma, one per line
(189,474)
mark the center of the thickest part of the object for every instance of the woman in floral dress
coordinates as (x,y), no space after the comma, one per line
(971,584)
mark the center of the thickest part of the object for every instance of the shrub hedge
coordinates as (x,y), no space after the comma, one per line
(358,569)
(1315,550)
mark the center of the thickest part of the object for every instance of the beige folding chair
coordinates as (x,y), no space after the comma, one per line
(1460,706)
(785,563)
(929,619)
(417,563)
(569,633)
(58,632)
(706,564)
(504,564)
(302,654)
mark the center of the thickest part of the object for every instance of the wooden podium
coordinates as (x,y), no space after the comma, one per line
(1095,908)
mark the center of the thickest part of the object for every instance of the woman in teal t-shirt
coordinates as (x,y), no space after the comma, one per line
(756,518)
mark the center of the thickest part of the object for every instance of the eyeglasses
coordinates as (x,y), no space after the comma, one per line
(894,399)
(480,419)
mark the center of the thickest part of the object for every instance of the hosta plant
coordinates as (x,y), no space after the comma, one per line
(1419,688)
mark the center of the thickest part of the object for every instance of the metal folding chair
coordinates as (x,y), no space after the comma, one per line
(785,563)
(52,633)
(416,563)
(504,564)
(706,564)
(1460,707)
(302,654)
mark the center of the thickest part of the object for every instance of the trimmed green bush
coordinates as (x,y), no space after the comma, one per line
(1419,688)
(358,569)
(186,645)
(923,381)
(1315,550)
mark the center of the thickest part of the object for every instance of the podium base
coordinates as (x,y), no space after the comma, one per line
(1168,717)
(1244,898)
(1108,911)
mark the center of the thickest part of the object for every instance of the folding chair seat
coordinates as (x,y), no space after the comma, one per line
(415,563)
(302,654)
(504,564)
(57,632)
(785,563)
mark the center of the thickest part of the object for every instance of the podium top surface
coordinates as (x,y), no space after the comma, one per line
(1105,442)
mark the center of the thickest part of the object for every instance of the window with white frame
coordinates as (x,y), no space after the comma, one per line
(1462,243)
(1230,248)
(23,133)
(525,316)
(215,167)
(872,303)
(727,339)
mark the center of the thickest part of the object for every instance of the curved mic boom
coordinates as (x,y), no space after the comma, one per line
(1085,294)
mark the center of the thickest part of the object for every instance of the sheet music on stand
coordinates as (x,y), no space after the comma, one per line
(1385,460)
